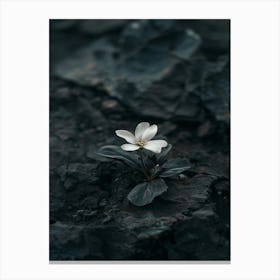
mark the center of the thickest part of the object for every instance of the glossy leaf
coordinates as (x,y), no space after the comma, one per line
(144,193)
(149,158)
(162,157)
(115,152)
(92,154)
(174,167)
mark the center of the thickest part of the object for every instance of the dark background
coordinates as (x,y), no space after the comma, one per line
(112,74)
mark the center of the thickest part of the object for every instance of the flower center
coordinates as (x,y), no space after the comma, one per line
(141,143)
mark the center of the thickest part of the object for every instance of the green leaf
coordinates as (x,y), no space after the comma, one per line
(174,167)
(162,157)
(92,154)
(144,193)
(115,152)
(149,158)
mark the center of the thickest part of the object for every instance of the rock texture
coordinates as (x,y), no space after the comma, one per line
(116,74)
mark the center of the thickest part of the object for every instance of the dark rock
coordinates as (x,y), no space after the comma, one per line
(137,33)
(152,90)
(109,104)
(103,203)
(222,187)
(193,192)
(205,129)
(77,173)
(215,92)
(183,206)
(84,215)
(174,73)
(70,242)
(90,202)
(205,244)
(184,49)
(215,34)
(167,127)
(100,26)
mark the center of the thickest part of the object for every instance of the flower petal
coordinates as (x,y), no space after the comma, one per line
(128,136)
(150,132)
(129,147)
(155,145)
(140,129)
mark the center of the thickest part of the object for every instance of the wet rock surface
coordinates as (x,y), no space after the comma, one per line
(108,75)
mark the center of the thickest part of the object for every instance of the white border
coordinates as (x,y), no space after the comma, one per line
(255,138)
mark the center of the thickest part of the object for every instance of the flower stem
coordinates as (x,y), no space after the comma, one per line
(144,166)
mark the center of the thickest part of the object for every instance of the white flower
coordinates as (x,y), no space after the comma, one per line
(142,138)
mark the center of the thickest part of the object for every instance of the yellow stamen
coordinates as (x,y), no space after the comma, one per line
(141,143)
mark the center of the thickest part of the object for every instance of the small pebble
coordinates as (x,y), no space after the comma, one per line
(109,104)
